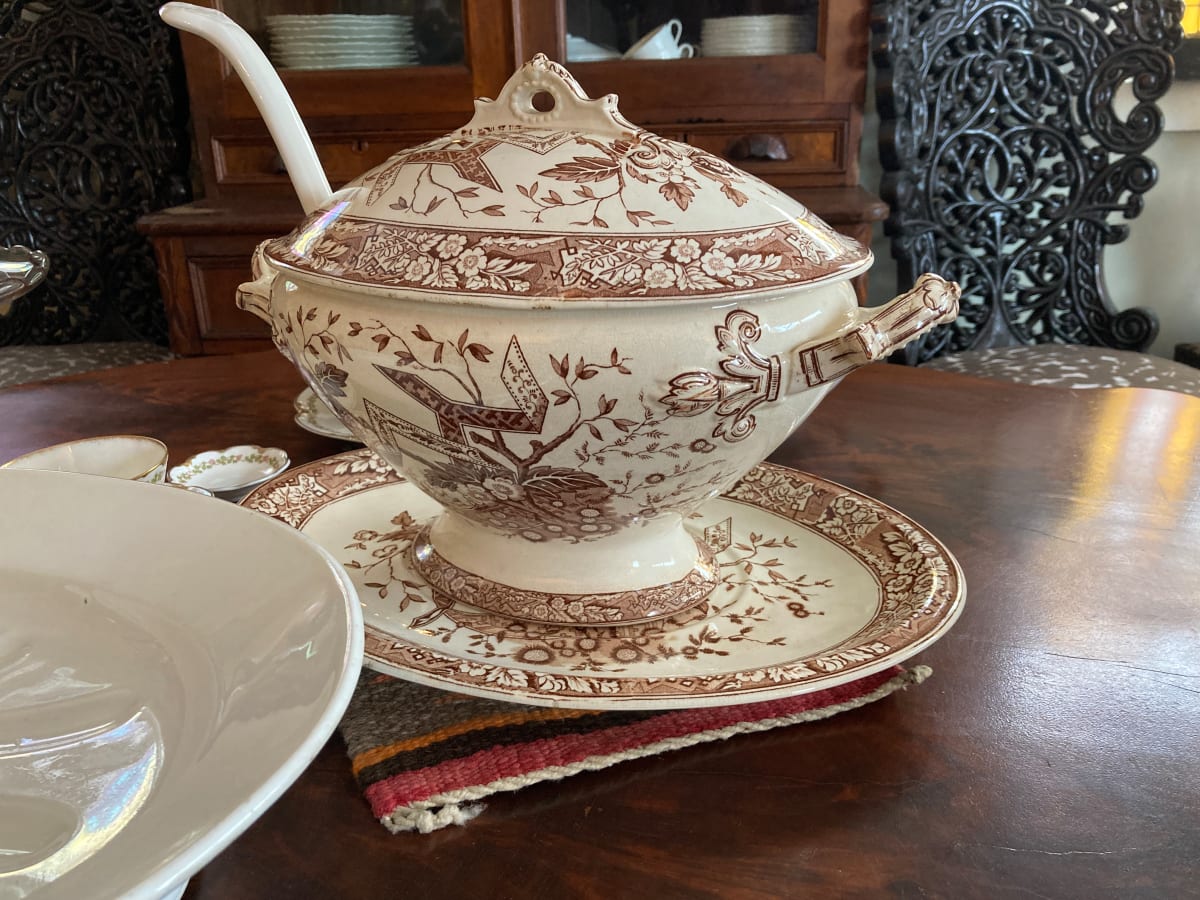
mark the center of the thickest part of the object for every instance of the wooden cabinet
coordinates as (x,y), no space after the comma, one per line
(793,119)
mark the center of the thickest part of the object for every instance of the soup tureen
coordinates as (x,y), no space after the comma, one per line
(567,330)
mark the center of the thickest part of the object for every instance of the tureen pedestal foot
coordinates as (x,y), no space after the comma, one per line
(630,577)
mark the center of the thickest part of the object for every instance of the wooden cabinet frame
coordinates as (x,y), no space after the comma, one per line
(795,121)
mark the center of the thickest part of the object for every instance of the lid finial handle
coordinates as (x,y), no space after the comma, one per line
(543,93)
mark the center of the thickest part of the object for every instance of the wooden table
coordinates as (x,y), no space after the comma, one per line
(1055,752)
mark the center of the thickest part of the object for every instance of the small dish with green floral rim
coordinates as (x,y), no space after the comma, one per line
(230,473)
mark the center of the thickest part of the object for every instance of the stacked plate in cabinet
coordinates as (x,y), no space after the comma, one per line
(582,50)
(758,35)
(342,41)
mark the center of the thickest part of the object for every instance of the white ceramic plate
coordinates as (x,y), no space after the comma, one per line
(347,64)
(344,46)
(349,19)
(357,61)
(820,585)
(350,56)
(750,50)
(319,32)
(345,60)
(313,415)
(169,664)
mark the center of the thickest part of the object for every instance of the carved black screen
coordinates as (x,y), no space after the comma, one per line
(1007,167)
(93,133)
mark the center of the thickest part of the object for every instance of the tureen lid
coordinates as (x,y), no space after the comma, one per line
(572,203)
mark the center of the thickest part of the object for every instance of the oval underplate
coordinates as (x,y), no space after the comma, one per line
(820,585)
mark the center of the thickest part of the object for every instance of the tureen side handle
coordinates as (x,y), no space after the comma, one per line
(880,330)
(255,296)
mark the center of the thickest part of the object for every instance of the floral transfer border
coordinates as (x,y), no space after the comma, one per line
(597,609)
(923,594)
(569,267)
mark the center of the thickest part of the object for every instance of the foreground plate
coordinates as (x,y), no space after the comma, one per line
(169,664)
(821,585)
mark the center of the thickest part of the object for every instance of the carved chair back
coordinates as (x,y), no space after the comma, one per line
(1006,163)
(93,134)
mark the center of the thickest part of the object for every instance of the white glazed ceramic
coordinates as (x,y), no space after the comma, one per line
(130,456)
(661,43)
(313,415)
(168,666)
(342,41)
(567,330)
(758,35)
(582,50)
(230,473)
(819,585)
(191,488)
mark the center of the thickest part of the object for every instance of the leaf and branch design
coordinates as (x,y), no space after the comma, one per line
(313,337)
(522,466)
(753,581)
(673,169)
(438,193)
(462,350)
(444,193)
(471,648)
(386,564)
(529,466)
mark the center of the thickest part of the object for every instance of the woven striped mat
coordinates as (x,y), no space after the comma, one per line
(424,758)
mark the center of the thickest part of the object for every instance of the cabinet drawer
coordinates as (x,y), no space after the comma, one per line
(811,147)
(241,160)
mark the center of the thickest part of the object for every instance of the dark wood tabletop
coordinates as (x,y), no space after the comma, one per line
(1055,751)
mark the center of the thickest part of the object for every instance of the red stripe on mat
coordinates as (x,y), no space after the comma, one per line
(488,766)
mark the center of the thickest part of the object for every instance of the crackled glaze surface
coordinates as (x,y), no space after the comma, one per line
(817,585)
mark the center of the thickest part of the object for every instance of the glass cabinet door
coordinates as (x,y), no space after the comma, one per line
(599,30)
(368,77)
(354,34)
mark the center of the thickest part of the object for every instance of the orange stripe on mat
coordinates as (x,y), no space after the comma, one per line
(377,754)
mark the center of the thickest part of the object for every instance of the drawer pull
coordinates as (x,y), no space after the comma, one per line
(755,147)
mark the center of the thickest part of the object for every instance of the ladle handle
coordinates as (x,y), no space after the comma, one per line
(267,91)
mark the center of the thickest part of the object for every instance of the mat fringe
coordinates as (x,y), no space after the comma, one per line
(458,807)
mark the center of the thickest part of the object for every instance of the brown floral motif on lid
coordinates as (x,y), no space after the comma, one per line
(675,172)
(565,267)
(565,214)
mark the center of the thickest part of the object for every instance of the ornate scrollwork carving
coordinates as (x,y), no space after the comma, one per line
(1005,158)
(750,379)
(93,133)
